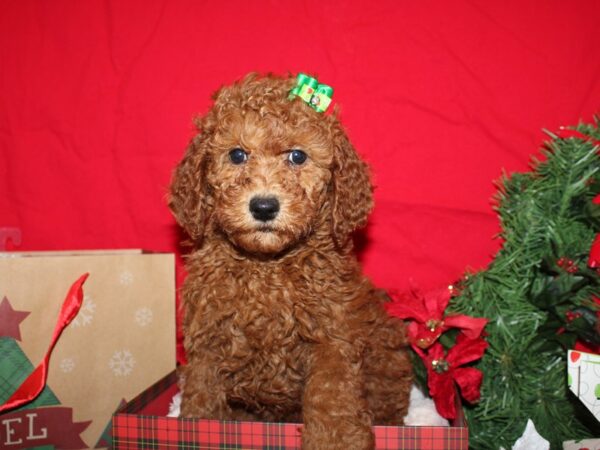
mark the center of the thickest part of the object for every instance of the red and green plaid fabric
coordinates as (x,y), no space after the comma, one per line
(133,431)
(151,432)
(14,368)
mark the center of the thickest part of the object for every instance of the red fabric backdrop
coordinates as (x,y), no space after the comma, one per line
(97,99)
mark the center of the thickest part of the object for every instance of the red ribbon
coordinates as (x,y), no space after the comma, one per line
(35,382)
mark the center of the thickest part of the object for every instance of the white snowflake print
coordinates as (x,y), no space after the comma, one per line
(86,313)
(121,363)
(67,365)
(143,317)
(126,278)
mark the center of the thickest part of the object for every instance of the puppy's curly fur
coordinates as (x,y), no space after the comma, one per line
(279,322)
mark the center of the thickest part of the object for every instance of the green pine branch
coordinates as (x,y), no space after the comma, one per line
(546,214)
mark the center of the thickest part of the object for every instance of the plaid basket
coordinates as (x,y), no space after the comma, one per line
(133,430)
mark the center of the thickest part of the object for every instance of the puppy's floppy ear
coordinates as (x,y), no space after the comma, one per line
(352,191)
(188,198)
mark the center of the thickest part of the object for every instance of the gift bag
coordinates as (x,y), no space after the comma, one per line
(121,340)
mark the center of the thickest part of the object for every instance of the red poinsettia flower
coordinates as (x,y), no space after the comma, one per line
(594,257)
(429,321)
(443,370)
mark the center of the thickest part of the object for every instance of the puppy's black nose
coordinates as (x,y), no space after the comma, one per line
(264,208)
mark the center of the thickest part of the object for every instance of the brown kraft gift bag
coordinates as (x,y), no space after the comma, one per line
(121,341)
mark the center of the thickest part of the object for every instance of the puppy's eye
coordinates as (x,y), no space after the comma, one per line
(238,156)
(297,157)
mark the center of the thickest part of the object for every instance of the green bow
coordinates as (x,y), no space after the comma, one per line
(318,96)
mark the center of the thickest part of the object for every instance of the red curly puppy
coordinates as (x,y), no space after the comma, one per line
(279,322)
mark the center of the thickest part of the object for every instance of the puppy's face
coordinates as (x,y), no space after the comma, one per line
(263,168)
(269,177)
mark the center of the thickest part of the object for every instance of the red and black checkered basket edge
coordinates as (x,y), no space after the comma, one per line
(132,430)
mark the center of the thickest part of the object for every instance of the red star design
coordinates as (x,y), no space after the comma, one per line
(10,320)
